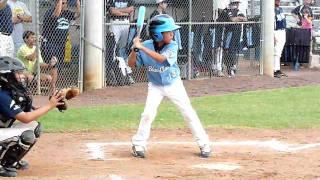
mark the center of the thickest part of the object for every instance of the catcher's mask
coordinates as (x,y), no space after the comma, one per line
(13,79)
(159,24)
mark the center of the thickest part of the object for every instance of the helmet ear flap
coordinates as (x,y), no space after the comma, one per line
(157,37)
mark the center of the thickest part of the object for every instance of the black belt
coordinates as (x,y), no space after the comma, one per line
(280,29)
(6,34)
(120,19)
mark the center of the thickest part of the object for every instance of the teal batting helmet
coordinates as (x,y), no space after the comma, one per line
(161,23)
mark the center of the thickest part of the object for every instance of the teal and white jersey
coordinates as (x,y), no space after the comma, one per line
(161,74)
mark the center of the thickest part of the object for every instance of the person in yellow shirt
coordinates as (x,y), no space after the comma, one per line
(29,55)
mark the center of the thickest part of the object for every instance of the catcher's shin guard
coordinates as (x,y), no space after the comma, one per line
(14,150)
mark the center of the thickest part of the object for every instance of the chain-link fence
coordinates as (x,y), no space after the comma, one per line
(211,43)
(45,35)
(216,39)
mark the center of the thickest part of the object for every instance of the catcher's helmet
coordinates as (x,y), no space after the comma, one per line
(161,23)
(235,1)
(9,65)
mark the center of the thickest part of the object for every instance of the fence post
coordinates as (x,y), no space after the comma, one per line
(267,14)
(189,42)
(93,37)
(37,29)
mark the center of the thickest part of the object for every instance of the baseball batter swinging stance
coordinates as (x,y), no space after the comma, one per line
(159,56)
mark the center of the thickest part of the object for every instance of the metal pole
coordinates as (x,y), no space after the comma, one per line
(93,56)
(80,77)
(268,37)
(189,42)
(37,18)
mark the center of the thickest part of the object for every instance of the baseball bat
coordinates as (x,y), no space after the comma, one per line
(140,21)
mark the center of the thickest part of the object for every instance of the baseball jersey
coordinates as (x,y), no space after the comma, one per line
(161,74)
(22,54)
(8,109)
(6,25)
(55,29)
(18,8)
(280,19)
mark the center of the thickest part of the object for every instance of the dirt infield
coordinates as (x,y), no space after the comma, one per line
(172,154)
(66,156)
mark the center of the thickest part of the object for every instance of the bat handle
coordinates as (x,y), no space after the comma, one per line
(136,49)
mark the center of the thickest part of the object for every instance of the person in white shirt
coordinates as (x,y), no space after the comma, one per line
(20,15)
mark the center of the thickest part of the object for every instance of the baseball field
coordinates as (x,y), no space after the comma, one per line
(260,128)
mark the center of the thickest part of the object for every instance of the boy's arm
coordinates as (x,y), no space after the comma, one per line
(77,14)
(132,59)
(27,117)
(3,4)
(154,55)
(57,9)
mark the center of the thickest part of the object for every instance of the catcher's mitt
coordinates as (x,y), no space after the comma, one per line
(69,94)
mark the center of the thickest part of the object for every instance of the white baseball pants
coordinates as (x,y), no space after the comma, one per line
(120,29)
(279,42)
(6,45)
(17,129)
(178,95)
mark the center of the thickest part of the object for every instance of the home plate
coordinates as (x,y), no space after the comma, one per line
(218,166)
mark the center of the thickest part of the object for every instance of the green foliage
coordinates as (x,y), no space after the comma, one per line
(280,108)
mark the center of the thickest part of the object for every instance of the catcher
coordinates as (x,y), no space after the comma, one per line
(18,137)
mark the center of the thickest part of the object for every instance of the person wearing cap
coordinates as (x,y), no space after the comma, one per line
(232,36)
(159,56)
(161,8)
(6,28)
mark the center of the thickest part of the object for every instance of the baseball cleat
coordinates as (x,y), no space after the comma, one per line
(22,165)
(205,151)
(8,172)
(138,151)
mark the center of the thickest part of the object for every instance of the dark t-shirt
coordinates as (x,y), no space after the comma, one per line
(232,34)
(55,29)
(156,12)
(6,25)
(118,4)
(8,109)
(280,20)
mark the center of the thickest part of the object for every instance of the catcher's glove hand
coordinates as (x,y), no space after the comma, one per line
(69,93)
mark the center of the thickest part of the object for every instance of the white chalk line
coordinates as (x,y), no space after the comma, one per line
(221,166)
(96,149)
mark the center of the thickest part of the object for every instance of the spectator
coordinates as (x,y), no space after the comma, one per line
(161,9)
(6,28)
(20,15)
(279,38)
(120,12)
(27,53)
(306,21)
(217,34)
(232,35)
(304,13)
(19,128)
(56,25)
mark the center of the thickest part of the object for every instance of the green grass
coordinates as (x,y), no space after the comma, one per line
(281,108)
